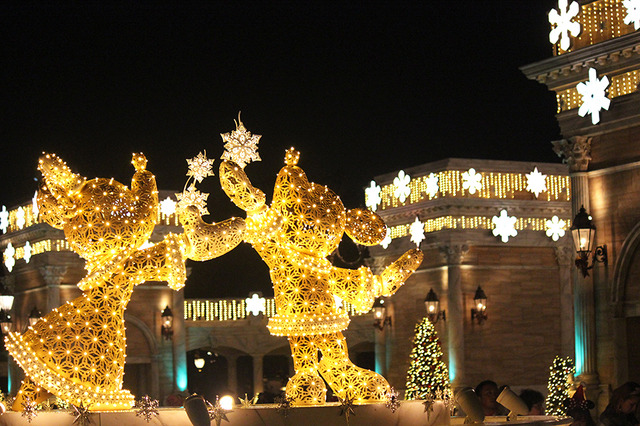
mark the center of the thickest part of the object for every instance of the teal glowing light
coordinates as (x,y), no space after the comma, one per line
(181,375)
(580,349)
(452,369)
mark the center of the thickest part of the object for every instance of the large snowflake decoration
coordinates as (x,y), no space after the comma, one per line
(27,252)
(472,181)
(372,196)
(83,417)
(29,409)
(34,205)
(4,219)
(392,400)
(432,185)
(241,146)
(594,97)
(193,197)
(147,408)
(20,218)
(200,167)
(536,182)
(386,240)
(401,188)
(167,206)
(346,407)
(504,226)
(555,228)
(9,257)
(633,12)
(255,304)
(416,230)
(562,19)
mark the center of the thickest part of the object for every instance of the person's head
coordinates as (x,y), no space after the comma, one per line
(625,399)
(534,401)
(487,391)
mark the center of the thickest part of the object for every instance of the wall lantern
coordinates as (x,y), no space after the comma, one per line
(34,316)
(6,303)
(380,315)
(198,361)
(167,323)
(432,303)
(584,232)
(479,311)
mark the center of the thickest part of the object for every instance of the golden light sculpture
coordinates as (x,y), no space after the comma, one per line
(294,235)
(77,351)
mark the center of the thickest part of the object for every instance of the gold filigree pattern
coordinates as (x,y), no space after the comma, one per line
(294,235)
(77,351)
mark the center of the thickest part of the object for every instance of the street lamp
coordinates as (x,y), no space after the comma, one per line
(584,232)
(34,316)
(479,311)
(6,303)
(380,315)
(167,323)
(432,303)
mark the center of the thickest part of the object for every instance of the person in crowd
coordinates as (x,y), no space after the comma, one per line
(534,401)
(577,407)
(622,406)
(487,391)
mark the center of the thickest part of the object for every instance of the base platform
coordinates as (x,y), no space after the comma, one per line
(410,413)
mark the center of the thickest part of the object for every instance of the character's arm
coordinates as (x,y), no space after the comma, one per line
(360,287)
(143,185)
(205,241)
(163,261)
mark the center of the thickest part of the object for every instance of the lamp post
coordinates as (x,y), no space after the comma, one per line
(167,323)
(432,303)
(584,232)
(479,311)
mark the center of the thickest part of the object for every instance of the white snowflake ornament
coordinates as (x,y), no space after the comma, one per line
(471,181)
(416,230)
(504,226)
(633,13)
(432,185)
(255,305)
(167,206)
(34,205)
(594,97)
(536,182)
(9,257)
(555,228)
(27,252)
(200,167)
(193,197)
(401,188)
(387,239)
(240,146)
(4,219)
(372,196)
(562,19)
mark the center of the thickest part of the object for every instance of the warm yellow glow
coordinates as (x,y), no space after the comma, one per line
(77,351)
(227,402)
(303,225)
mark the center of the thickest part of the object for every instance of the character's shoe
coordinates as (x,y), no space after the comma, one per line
(349,381)
(31,392)
(306,388)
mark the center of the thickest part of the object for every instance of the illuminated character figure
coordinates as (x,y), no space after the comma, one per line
(77,351)
(294,235)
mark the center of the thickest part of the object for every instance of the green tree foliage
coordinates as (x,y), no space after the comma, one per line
(560,373)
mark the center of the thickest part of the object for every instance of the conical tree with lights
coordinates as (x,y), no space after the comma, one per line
(428,376)
(560,373)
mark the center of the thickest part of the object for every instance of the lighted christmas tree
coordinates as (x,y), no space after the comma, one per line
(561,371)
(428,376)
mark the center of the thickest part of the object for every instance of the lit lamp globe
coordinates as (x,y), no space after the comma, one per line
(379,310)
(6,302)
(583,232)
(480,300)
(432,303)
(198,361)
(5,322)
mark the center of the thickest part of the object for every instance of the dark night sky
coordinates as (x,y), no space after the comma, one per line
(360,88)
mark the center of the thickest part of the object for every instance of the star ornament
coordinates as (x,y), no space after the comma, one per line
(200,167)
(216,412)
(633,13)
(392,401)
(346,407)
(536,182)
(83,417)
(248,402)
(594,97)
(504,226)
(562,19)
(29,409)
(372,196)
(240,146)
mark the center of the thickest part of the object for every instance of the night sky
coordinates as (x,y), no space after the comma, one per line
(360,88)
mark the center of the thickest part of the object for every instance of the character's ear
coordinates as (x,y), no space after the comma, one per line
(59,188)
(365,227)
(49,211)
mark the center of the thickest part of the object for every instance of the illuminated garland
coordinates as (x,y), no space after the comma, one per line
(294,235)
(622,84)
(77,351)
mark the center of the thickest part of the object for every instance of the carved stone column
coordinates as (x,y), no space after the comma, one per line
(576,152)
(453,256)
(258,384)
(52,276)
(232,373)
(565,254)
(179,344)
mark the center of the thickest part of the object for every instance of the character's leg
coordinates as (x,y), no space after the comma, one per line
(306,387)
(29,390)
(347,380)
